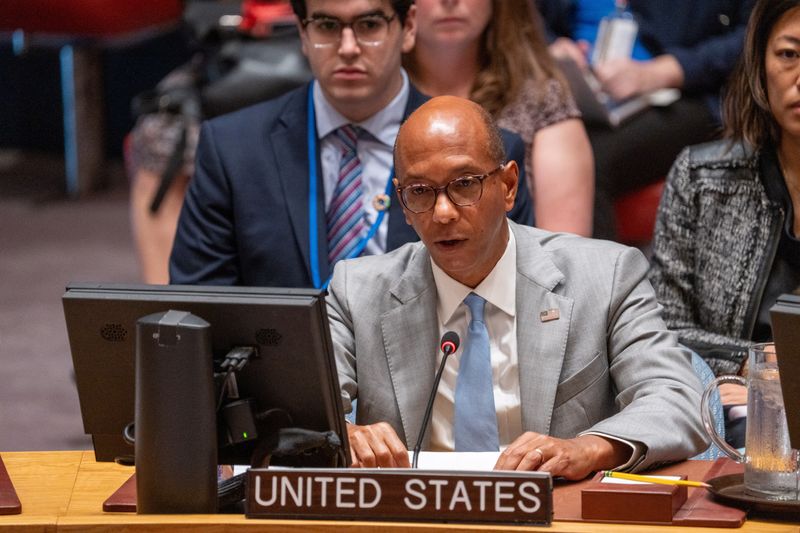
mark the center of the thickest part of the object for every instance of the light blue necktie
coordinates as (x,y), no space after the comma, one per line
(475,420)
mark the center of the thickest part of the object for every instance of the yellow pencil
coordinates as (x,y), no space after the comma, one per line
(651,479)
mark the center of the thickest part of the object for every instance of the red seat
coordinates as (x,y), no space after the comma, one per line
(81,29)
(636,214)
(87,18)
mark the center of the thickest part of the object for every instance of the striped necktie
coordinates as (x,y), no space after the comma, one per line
(475,419)
(345,216)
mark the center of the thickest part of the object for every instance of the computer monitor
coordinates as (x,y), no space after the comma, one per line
(293,369)
(785,317)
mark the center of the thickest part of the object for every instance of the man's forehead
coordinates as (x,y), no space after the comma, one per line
(439,136)
(347,8)
(438,165)
(445,132)
(442,126)
(443,121)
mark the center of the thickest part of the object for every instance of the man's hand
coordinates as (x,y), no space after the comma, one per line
(376,445)
(571,458)
(624,78)
(733,394)
(576,51)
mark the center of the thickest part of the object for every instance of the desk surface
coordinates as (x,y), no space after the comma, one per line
(65,491)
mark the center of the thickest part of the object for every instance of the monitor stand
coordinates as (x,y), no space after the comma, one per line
(176,431)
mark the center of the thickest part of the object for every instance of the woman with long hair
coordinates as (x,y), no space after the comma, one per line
(727,239)
(493,52)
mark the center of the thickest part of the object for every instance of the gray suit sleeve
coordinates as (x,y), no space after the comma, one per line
(344,345)
(657,391)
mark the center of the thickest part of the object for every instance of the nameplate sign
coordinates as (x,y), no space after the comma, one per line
(401,494)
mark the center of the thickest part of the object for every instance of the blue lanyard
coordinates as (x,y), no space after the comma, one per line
(313,237)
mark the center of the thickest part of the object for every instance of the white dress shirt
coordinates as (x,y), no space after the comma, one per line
(499,291)
(374,151)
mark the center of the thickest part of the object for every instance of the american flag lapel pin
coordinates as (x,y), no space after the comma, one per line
(548,315)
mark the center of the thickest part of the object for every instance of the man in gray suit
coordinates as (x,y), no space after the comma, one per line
(583,374)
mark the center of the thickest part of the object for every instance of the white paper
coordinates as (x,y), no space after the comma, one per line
(621,481)
(480,461)
(466,461)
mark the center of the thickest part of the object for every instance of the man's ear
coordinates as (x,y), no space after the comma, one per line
(410,30)
(397,193)
(510,179)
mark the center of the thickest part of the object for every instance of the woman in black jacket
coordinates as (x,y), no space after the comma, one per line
(727,236)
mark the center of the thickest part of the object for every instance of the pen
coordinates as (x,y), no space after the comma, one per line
(651,479)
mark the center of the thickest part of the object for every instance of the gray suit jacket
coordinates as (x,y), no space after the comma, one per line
(607,365)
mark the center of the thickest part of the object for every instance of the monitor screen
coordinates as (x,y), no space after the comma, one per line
(785,317)
(293,367)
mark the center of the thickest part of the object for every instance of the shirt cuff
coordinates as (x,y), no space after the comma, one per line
(736,412)
(637,450)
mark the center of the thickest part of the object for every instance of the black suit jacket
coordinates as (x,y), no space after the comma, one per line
(245,217)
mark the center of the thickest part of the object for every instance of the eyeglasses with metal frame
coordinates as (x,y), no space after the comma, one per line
(369,30)
(462,191)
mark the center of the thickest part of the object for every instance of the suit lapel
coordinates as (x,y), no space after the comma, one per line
(289,144)
(541,344)
(410,330)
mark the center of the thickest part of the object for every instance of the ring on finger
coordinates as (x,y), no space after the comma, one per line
(540,452)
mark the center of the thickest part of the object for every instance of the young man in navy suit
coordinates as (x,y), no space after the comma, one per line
(284,189)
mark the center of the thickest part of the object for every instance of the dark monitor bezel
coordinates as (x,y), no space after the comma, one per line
(106,391)
(785,318)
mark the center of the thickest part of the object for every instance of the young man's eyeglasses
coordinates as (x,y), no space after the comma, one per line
(463,191)
(369,30)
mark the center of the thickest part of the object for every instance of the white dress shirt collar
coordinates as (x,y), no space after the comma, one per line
(498,288)
(383,125)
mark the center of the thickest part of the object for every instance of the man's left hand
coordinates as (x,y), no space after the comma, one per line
(733,394)
(569,458)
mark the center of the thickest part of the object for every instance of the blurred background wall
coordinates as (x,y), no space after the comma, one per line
(46,238)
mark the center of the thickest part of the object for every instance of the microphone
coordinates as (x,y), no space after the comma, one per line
(448,345)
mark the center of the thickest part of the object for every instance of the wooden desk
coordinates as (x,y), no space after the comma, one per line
(64,491)
(44,483)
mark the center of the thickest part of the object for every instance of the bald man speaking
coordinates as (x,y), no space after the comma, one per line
(565,364)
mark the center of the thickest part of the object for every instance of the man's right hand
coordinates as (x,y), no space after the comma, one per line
(577,51)
(376,445)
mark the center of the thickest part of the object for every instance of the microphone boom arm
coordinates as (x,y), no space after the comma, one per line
(449,345)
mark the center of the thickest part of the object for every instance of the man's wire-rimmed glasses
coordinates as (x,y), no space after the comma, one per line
(462,191)
(369,30)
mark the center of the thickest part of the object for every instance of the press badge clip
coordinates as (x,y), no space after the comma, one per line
(381,202)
